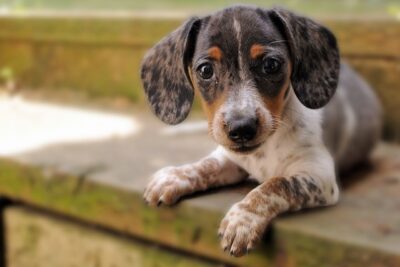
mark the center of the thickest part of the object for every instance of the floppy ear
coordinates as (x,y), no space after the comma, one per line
(164,73)
(315,57)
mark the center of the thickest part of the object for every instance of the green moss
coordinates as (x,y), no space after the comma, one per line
(311,251)
(31,234)
(185,227)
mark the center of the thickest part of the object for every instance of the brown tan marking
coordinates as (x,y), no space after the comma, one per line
(275,104)
(256,50)
(209,109)
(215,53)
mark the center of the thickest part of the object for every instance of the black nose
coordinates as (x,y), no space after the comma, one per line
(242,130)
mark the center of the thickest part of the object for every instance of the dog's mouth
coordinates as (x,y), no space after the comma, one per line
(244,148)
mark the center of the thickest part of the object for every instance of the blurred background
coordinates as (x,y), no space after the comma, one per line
(78,142)
(332,8)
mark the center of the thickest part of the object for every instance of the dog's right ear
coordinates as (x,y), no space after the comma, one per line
(165,76)
(315,57)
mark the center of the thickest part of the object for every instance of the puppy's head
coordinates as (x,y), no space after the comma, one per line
(242,61)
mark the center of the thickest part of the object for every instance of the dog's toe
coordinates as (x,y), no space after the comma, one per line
(240,231)
(166,187)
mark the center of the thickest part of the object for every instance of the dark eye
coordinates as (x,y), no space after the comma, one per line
(271,65)
(205,71)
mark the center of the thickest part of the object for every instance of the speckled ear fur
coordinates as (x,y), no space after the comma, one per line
(164,73)
(315,57)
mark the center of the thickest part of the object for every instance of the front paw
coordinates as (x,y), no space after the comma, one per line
(241,230)
(167,186)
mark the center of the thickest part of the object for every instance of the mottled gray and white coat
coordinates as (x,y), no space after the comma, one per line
(305,132)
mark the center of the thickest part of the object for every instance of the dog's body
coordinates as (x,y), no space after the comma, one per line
(264,76)
(351,121)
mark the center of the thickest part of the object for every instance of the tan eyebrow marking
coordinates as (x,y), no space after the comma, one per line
(256,50)
(215,53)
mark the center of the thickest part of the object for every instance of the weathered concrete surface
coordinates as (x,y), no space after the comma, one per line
(38,240)
(124,160)
(102,183)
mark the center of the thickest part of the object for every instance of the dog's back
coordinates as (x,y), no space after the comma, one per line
(352,120)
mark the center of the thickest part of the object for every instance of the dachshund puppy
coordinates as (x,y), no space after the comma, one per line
(265,78)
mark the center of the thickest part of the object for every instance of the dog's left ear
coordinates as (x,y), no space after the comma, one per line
(315,57)
(165,76)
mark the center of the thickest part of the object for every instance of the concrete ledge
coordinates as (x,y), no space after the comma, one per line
(101,183)
(360,231)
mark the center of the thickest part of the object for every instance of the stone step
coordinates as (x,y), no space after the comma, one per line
(101,183)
